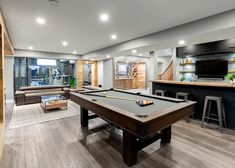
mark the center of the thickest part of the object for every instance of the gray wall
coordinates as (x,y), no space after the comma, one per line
(108,74)
(9,77)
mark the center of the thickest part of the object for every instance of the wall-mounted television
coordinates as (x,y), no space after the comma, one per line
(216,68)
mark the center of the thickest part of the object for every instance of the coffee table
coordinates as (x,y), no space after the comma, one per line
(53,102)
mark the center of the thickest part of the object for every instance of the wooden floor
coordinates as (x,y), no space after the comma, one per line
(64,144)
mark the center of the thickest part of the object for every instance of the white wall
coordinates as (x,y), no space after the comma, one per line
(48,55)
(175,65)
(108,74)
(150,71)
(100,73)
(9,77)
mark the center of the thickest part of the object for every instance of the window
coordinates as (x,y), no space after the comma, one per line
(49,62)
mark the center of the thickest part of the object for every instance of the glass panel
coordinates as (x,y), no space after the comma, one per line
(21,77)
(29,73)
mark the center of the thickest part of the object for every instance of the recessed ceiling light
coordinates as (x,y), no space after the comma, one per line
(127,61)
(140,54)
(40,20)
(108,56)
(30,48)
(114,36)
(87,62)
(181,42)
(104,17)
(92,59)
(64,43)
(134,51)
(74,52)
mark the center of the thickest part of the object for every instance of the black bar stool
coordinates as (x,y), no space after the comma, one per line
(220,109)
(180,95)
(184,96)
(160,92)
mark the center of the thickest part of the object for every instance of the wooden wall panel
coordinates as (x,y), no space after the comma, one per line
(124,84)
(79,73)
(1,76)
(137,81)
(94,73)
(2,94)
(9,49)
(141,75)
(6,48)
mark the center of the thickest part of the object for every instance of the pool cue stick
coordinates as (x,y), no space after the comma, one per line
(111,97)
(121,98)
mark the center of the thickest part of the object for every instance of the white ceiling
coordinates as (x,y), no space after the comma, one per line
(77,21)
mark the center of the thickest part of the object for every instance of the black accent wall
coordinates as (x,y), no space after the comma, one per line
(198,94)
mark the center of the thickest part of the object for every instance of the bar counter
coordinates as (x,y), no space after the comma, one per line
(198,91)
(212,84)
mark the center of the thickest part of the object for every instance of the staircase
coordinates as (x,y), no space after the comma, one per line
(168,73)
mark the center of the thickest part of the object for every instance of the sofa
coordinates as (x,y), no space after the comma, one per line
(32,94)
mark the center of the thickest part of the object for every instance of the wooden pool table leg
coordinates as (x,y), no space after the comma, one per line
(166,135)
(84,117)
(130,148)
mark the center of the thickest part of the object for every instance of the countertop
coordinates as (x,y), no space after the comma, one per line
(212,84)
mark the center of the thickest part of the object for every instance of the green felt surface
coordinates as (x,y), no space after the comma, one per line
(132,106)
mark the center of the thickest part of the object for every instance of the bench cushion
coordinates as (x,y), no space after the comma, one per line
(44,94)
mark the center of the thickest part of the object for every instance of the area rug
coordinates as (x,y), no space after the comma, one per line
(33,114)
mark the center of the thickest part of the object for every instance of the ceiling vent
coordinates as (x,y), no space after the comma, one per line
(151,53)
(54,2)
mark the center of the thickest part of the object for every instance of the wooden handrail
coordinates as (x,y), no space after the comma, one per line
(167,67)
(168,73)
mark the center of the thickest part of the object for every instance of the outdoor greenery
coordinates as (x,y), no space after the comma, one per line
(72,82)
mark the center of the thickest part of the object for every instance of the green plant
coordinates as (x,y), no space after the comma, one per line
(230,76)
(46,78)
(182,78)
(72,82)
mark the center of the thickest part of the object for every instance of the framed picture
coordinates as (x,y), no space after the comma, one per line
(122,70)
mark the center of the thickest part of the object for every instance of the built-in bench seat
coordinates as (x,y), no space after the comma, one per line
(32,94)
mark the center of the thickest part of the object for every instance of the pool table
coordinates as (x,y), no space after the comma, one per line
(141,125)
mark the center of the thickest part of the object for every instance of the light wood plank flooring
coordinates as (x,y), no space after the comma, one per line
(64,144)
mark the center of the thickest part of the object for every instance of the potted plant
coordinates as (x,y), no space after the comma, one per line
(72,82)
(182,78)
(231,77)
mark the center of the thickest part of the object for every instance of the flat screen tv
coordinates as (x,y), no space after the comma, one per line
(216,68)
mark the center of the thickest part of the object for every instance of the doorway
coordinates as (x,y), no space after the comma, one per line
(86,74)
